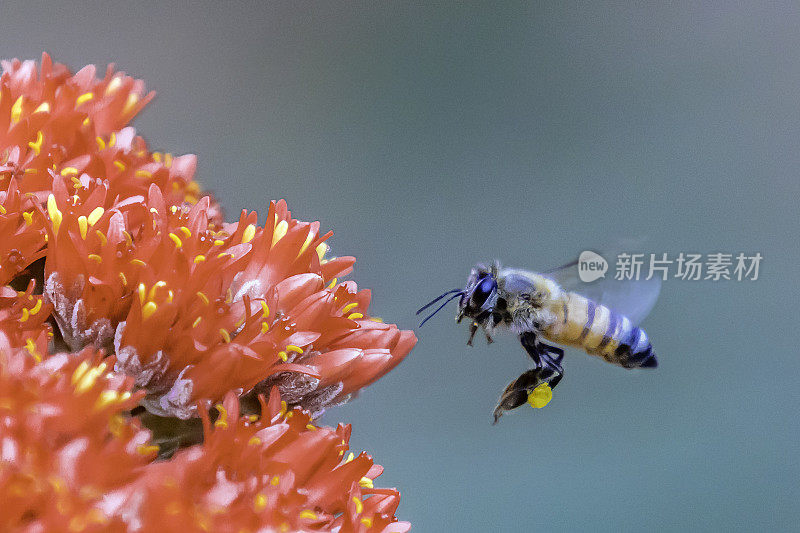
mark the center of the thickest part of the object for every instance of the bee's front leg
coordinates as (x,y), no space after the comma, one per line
(473,329)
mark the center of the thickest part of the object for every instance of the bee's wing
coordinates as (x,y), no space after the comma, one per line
(632,298)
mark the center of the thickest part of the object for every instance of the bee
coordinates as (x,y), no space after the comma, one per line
(601,320)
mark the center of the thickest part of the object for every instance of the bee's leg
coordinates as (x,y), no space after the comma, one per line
(473,329)
(528,340)
(557,354)
(516,393)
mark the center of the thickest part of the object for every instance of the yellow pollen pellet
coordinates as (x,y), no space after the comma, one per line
(264,327)
(249,233)
(83,226)
(197,321)
(293,348)
(96,258)
(225,335)
(186,231)
(308,514)
(148,309)
(28,218)
(359,505)
(101,144)
(540,396)
(254,441)
(349,307)
(259,503)
(176,240)
(101,236)
(274,481)
(365,483)
(95,215)
(55,214)
(218,242)
(36,145)
(44,107)
(143,174)
(355,316)
(283,356)
(203,297)
(69,171)
(82,99)
(25,315)
(264,309)
(279,231)
(36,308)
(16,110)
(138,262)
(199,258)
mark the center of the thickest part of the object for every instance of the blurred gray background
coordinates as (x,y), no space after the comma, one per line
(433,137)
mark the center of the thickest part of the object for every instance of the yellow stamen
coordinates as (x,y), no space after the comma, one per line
(176,240)
(31,171)
(143,174)
(322,249)
(186,231)
(28,218)
(31,347)
(16,110)
(55,214)
(86,122)
(37,144)
(280,231)
(311,427)
(79,372)
(203,297)
(225,335)
(83,226)
(123,279)
(199,258)
(259,503)
(293,348)
(350,457)
(69,171)
(138,262)
(274,481)
(148,309)
(101,144)
(367,522)
(359,505)
(355,316)
(142,293)
(114,85)
(157,157)
(88,380)
(147,449)
(25,315)
(130,103)
(264,327)
(96,258)
(157,285)
(218,242)
(44,107)
(197,321)
(120,165)
(366,483)
(82,99)
(95,215)
(308,514)
(333,283)
(249,233)
(349,307)
(112,139)
(264,309)
(36,308)
(101,236)
(540,396)
(2,210)
(128,239)
(309,238)
(222,421)
(168,160)
(254,441)
(283,356)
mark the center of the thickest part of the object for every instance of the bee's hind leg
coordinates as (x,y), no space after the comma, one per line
(516,392)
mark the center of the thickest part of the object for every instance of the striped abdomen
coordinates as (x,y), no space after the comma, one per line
(601,332)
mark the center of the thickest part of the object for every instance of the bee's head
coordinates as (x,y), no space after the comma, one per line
(479,296)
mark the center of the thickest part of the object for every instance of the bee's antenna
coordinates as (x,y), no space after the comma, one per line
(427,305)
(458,293)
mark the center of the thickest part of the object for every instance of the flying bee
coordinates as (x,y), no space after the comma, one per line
(602,321)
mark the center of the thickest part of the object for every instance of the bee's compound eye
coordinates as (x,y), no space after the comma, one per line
(483,290)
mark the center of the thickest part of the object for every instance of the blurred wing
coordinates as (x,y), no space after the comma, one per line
(632,298)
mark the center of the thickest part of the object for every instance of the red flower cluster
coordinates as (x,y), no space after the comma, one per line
(108,248)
